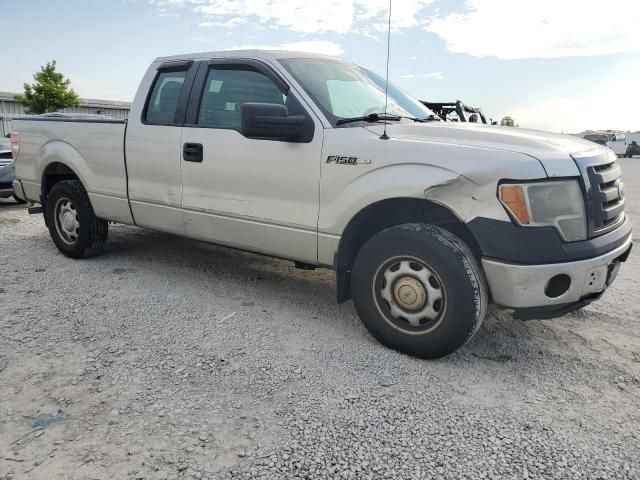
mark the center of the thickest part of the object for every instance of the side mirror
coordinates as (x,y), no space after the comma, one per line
(271,121)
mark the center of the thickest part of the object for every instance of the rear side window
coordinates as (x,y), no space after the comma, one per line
(227,88)
(163,102)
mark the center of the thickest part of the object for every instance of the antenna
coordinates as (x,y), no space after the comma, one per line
(384,135)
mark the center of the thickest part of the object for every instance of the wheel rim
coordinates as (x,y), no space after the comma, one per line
(67,221)
(410,295)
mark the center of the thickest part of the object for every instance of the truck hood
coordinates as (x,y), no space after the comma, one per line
(552,150)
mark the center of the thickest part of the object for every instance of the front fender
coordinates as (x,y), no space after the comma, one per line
(386,182)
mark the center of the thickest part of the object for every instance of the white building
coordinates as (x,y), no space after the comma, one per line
(10,109)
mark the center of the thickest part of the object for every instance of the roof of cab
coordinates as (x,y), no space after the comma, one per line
(264,54)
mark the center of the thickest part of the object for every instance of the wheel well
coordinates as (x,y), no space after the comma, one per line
(385,214)
(54,173)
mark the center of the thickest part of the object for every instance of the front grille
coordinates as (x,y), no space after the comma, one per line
(604,191)
(608,203)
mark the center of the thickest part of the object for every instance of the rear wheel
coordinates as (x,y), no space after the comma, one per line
(419,290)
(72,223)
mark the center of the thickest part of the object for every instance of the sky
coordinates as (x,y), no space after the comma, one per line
(558,65)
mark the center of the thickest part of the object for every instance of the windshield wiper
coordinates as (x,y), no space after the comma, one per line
(372,117)
(430,118)
(377,117)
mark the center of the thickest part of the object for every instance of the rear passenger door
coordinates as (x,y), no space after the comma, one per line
(255,194)
(153,147)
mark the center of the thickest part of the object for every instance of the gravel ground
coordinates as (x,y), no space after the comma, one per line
(170,358)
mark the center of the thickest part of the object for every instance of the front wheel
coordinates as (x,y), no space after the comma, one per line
(72,223)
(419,290)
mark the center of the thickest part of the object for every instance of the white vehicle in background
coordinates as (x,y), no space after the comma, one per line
(621,143)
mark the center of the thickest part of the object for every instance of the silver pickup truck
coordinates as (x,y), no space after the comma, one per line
(298,156)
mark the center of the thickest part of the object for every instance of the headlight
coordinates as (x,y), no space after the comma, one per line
(557,203)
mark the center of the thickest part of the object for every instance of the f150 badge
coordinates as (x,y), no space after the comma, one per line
(338,159)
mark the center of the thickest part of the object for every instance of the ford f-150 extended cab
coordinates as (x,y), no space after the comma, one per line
(296,156)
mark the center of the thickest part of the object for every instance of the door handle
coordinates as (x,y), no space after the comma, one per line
(192,152)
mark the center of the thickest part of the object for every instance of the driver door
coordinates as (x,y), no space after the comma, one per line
(258,195)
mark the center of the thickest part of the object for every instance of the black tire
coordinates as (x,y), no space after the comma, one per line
(18,200)
(91,233)
(450,266)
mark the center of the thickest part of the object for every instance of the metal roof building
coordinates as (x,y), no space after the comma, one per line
(10,109)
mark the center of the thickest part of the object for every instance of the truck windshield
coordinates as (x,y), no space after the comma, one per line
(346,91)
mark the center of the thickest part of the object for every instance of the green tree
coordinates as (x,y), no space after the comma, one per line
(49,93)
(508,122)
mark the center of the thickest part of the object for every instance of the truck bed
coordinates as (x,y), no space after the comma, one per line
(91,145)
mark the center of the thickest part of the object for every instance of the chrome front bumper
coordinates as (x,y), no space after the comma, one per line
(523,286)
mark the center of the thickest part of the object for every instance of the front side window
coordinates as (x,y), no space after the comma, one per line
(163,102)
(343,90)
(229,86)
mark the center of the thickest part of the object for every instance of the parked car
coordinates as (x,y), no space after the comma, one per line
(5,143)
(7,176)
(295,155)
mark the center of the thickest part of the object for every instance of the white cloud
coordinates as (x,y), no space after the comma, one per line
(410,76)
(163,12)
(516,29)
(293,15)
(507,29)
(231,23)
(404,13)
(313,46)
(306,16)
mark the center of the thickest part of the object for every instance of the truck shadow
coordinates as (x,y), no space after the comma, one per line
(137,244)
(183,258)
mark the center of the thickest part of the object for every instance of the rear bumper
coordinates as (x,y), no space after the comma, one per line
(522,287)
(18,190)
